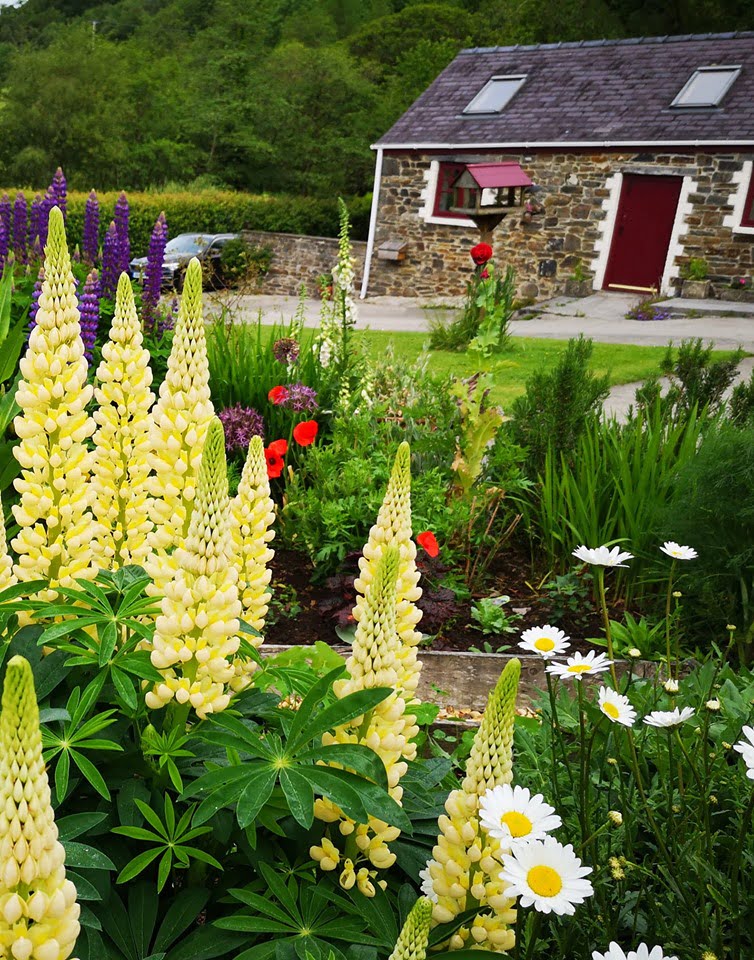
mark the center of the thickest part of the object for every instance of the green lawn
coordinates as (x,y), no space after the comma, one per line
(623,362)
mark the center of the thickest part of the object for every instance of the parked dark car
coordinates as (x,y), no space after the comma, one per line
(207,247)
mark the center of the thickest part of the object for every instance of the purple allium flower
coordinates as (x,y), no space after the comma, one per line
(121,226)
(48,202)
(89,310)
(59,189)
(300,398)
(91,228)
(19,227)
(153,273)
(286,350)
(36,212)
(34,305)
(110,254)
(241,424)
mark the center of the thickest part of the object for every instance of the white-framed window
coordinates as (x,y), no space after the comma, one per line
(741,220)
(706,86)
(495,94)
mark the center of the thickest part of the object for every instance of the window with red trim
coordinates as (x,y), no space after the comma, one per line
(747,217)
(446,175)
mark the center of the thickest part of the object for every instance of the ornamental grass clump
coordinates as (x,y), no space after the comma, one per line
(467,859)
(393,528)
(388,729)
(39,915)
(196,634)
(178,428)
(53,542)
(121,463)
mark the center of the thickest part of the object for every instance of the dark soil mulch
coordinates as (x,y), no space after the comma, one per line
(304,611)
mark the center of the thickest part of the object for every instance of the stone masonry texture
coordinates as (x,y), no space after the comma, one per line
(548,251)
(298,260)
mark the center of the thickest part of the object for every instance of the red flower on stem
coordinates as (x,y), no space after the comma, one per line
(481,253)
(274,456)
(278,395)
(305,432)
(428,541)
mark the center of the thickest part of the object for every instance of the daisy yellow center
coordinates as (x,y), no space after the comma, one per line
(544,881)
(579,668)
(611,710)
(518,824)
(544,643)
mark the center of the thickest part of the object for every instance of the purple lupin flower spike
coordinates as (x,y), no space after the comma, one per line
(36,212)
(34,306)
(59,189)
(91,229)
(89,311)
(153,273)
(121,225)
(48,202)
(3,244)
(5,215)
(110,252)
(19,227)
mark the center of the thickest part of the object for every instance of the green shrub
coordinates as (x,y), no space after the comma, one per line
(217,211)
(558,405)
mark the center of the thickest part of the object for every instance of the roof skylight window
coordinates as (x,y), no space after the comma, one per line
(495,94)
(706,87)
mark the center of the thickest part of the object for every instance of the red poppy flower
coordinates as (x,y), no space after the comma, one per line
(481,253)
(305,432)
(485,274)
(428,541)
(278,395)
(274,456)
(279,447)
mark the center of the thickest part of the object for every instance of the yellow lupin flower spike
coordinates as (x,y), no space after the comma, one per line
(466,861)
(179,423)
(252,514)
(7,578)
(393,528)
(389,730)
(196,635)
(56,526)
(121,441)
(39,915)
(414,936)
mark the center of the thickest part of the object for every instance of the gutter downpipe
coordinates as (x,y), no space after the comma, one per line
(372,223)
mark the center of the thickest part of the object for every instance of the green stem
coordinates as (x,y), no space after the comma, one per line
(667,619)
(606,621)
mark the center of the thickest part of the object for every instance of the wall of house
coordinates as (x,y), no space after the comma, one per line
(298,259)
(572,237)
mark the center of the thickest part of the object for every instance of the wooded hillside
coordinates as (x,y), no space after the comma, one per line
(261,95)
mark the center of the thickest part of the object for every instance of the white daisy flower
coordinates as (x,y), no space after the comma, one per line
(670,685)
(642,952)
(747,750)
(616,707)
(512,815)
(427,887)
(668,718)
(602,556)
(546,875)
(677,552)
(547,641)
(576,666)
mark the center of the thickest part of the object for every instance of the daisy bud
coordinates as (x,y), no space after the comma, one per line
(634,653)
(713,705)
(671,685)
(615,817)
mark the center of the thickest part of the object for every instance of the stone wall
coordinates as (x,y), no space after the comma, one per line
(566,238)
(300,260)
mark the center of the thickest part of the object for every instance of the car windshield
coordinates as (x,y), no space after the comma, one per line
(187,243)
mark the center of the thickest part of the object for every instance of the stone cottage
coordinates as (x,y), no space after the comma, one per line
(641,153)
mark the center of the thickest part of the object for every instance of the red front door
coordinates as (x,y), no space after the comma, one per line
(641,237)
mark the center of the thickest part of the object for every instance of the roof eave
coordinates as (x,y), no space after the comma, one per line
(532,144)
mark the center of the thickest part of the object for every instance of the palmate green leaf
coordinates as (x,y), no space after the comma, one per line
(24,589)
(84,889)
(90,772)
(181,913)
(241,738)
(358,798)
(256,793)
(151,817)
(140,862)
(244,923)
(163,870)
(286,895)
(138,664)
(107,635)
(342,712)
(62,772)
(142,915)
(308,705)
(58,630)
(124,687)
(354,756)
(260,904)
(299,794)
(139,833)
(77,823)
(84,857)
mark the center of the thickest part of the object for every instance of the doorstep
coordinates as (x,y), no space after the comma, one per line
(683,307)
(461,680)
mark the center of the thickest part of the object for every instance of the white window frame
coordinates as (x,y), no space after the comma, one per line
(468,110)
(733,71)
(427,211)
(742,179)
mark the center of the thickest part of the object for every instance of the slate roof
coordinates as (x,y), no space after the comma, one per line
(595,92)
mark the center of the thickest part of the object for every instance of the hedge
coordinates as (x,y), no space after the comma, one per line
(217,212)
